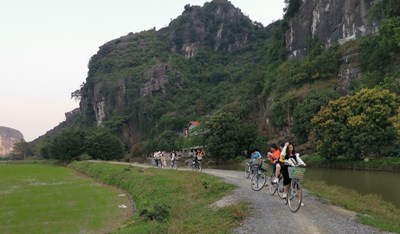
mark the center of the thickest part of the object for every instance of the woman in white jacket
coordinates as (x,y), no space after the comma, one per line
(289,157)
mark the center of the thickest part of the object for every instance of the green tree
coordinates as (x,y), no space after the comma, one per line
(357,126)
(102,144)
(23,149)
(167,141)
(138,149)
(45,149)
(379,55)
(283,110)
(384,9)
(227,137)
(305,110)
(67,146)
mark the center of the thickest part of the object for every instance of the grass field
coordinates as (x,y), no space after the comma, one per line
(39,198)
(170,201)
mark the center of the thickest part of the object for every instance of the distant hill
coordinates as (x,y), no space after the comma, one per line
(8,137)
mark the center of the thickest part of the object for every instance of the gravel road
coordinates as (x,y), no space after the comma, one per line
(269,214)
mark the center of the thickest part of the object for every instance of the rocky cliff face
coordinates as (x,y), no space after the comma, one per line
(217,25)
(127,72)
(332,22)
(8,137)
(329,21)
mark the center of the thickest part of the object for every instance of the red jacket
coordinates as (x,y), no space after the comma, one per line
(276,154)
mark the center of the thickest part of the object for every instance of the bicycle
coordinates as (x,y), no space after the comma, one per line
(295,193)
(247,169)
(251,169)
(194,165)
(259,179)
(174,164)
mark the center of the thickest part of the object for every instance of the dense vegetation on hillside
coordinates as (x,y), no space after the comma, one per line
(153,83)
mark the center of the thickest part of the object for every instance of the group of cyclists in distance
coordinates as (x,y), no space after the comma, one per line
(281,158)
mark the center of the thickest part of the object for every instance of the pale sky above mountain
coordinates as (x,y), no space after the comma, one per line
(45,46)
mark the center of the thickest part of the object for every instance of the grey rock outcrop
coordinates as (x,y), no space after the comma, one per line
(156,80)
(329,21)
(8,137)
(210,26)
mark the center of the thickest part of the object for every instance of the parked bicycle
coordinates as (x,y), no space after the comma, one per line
(295,194)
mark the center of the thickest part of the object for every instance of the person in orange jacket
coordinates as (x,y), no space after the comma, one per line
(274,156)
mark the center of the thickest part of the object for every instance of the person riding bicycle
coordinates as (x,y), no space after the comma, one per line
(173,158)
(255,156)
(157,159)
(274,157)
(289,157)
(198,156)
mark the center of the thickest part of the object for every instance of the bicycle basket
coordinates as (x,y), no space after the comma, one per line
(296,172)
(263,167)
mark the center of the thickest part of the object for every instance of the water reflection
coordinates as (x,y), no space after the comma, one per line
(365,182)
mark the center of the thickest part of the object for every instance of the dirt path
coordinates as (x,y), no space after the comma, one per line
(268,214)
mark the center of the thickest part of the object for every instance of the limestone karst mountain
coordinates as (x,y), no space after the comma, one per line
(8,137)
(214,58)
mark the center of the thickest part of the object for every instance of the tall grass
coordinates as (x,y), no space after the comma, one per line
(372,209)
(169,201)
(38,198)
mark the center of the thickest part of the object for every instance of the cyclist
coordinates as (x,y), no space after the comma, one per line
(173,158)
(290,158)
(255,156)
(274,157)
(198,157)
(157,159)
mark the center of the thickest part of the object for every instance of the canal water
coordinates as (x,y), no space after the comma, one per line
(384,184)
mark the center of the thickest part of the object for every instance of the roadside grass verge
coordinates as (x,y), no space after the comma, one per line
(371,209)
(44,198)
(169,201)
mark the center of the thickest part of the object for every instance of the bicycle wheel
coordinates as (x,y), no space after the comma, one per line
(273,187)
(253,170)
(258,181)
(280,188)
(294,196)
(247,172)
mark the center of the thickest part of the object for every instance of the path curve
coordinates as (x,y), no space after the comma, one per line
(268,214)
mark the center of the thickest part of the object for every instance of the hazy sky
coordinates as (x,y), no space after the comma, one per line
(45,46)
